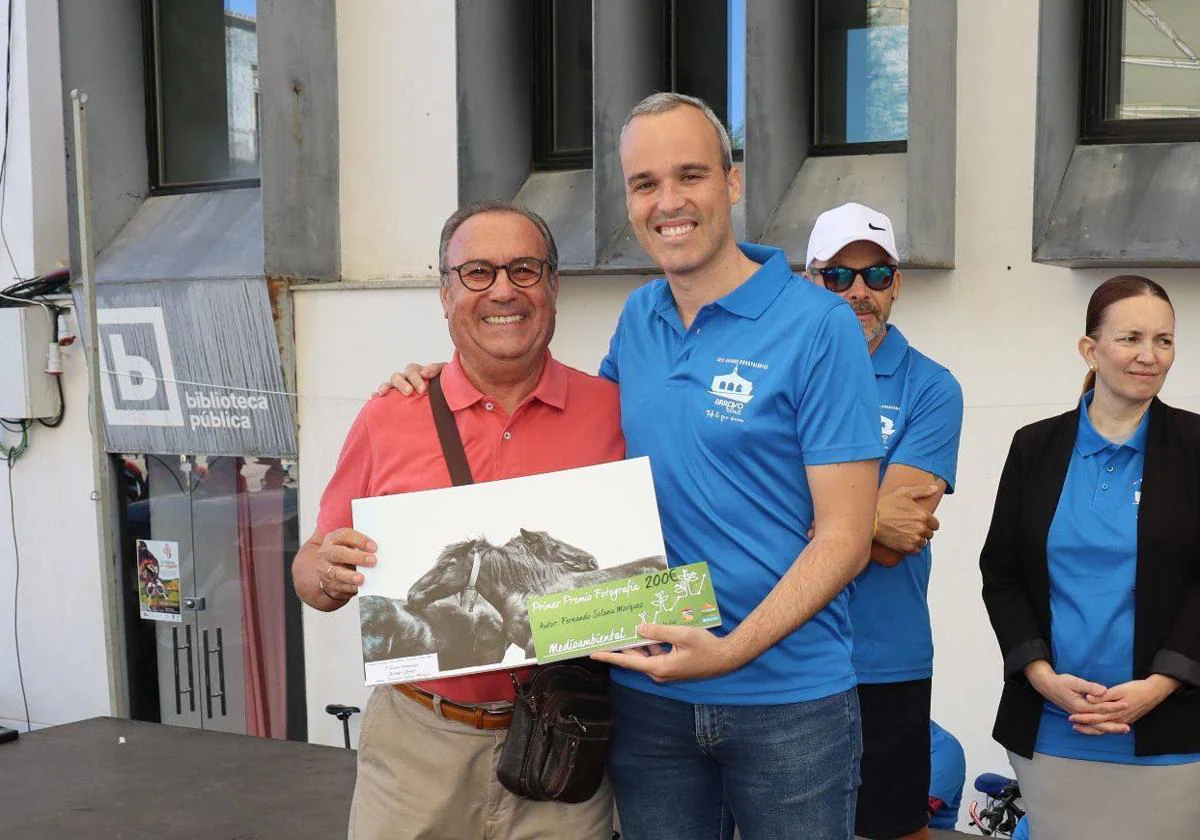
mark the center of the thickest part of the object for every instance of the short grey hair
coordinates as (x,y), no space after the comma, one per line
(663,102)
(460,216)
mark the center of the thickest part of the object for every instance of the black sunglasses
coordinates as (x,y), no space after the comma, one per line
(839,278)
(479,275)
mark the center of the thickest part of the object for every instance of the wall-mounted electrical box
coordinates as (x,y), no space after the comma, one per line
(26,390)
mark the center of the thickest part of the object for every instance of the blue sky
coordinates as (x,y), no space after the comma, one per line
(242,7)
(737,62)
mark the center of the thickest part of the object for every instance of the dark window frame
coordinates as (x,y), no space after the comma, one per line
(815,147)
(545,156)
(877,147)
(1099,86)
(153,134)
(670,72)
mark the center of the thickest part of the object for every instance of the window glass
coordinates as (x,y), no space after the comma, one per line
(572,77)
(206,91)
(1159,60)
(861,71)
(703,54)
(737,73)
(708,58)
(563,84)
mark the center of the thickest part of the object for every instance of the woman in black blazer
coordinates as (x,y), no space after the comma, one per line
(1091,577)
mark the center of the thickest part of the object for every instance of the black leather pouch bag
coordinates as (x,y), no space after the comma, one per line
(558,741)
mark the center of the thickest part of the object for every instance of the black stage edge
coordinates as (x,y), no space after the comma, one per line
(170,783)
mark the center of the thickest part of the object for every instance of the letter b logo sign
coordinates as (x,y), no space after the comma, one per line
(134,374)
(137,379)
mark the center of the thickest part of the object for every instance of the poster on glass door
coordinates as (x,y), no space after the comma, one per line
(457,565)
(158,580)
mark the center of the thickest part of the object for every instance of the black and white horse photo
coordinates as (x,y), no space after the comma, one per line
(506,576)
(461,636)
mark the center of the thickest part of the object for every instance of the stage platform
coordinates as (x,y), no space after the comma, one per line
(111,778)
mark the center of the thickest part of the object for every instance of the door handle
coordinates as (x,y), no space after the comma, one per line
(180,691)
(210,695)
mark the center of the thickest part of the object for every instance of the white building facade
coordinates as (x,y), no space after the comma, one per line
(371,138)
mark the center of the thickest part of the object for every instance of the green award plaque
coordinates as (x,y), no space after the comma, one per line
(605,616)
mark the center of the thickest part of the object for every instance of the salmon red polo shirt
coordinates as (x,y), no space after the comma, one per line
(570,420)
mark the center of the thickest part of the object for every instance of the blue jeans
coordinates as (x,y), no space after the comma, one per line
(687,772)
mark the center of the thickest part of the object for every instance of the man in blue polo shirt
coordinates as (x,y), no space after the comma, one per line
(752,393)
(852,252)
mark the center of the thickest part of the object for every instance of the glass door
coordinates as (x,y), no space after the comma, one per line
(210,616)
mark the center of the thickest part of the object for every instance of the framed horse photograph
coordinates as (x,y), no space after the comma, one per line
(456,566)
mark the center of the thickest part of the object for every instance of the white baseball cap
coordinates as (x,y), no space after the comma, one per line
(837,228)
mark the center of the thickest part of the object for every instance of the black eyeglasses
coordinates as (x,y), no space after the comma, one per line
(839,278)
(479,275)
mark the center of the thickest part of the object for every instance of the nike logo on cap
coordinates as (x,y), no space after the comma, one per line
(872,227)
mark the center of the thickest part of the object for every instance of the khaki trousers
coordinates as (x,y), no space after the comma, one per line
(1066,798)
(422,777)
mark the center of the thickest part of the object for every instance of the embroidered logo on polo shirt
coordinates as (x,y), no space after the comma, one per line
(887,427)
(732,386)
(732,390)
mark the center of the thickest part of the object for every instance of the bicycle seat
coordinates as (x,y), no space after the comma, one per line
(341,712)
(992,784)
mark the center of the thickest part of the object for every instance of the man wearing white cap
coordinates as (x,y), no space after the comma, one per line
(852,253)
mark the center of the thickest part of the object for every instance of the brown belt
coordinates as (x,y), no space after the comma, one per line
(475,716)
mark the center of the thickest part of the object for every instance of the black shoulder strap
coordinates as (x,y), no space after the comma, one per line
(447,431)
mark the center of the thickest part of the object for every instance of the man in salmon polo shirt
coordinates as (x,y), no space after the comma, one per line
(427,753)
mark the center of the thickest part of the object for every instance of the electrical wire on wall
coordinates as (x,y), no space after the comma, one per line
(12,514)
(31,292)
(25,292)
(12,453)
(34,292)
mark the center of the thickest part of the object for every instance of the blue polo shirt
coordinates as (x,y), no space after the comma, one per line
(920,417)
(947,775)
(1091,551)
(770,378)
